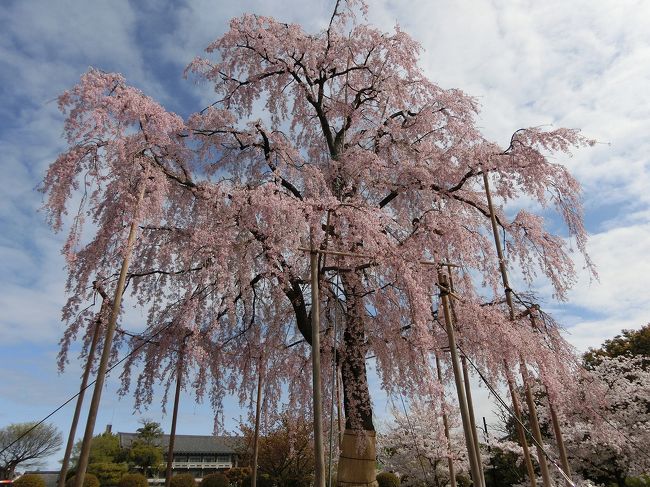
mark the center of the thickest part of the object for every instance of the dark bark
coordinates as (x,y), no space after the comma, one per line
(356,396)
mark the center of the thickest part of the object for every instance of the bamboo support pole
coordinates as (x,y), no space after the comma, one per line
(82,464)
(258,415)
(65,464)
(508,292)
(319,460)
(462,400)
(172,432)
(445,423)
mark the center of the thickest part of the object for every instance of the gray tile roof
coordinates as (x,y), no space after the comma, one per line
(191,443)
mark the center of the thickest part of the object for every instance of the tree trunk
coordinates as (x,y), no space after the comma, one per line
(357,459)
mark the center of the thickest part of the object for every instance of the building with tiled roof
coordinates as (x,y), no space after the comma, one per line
(198,455)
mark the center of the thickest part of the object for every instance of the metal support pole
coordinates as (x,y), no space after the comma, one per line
(65,464)
(445,422)
(455,362)
(106,352)
(319,460)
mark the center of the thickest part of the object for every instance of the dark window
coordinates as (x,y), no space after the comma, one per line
(223,458)
(209,459)
(180,459)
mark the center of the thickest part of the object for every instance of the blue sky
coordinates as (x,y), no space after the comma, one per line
(580,64)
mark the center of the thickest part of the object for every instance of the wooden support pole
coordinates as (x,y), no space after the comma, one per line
(319,460)
(494,471)
(445,422)
(521,434)
(508,292)
(462,400)
(339,405)
(172,432)
(334,394)
(556,428)
(82,464)
(366,256)
(472,418)
(534,425)
(560,441)
(468,388)
(65,464)
(258,415)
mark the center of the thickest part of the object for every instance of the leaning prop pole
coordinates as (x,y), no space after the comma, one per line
(339,405)
(65,464)
(445,422)
(177,395)
(534,423)
(560,441)
(472,418)
(82,465)
(319,460)
(462,399)
(335,373)
(258,415)
(468,388)
(531,404)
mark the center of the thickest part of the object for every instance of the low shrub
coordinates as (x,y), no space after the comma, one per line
(89,481)
(263,480)
(108,473)
(236,475)
(30,480)
(387,479)
(463,480)
(215,480)
(183,480)
(133,480)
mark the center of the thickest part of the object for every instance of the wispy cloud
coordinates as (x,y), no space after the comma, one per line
(579,64)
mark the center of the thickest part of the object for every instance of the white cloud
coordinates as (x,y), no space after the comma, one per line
(579,64)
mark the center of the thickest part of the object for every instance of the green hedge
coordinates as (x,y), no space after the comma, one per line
(133,480)
(89,481)
(263,480)
(215,480)
(183,480)
(30,480)
(387,479)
